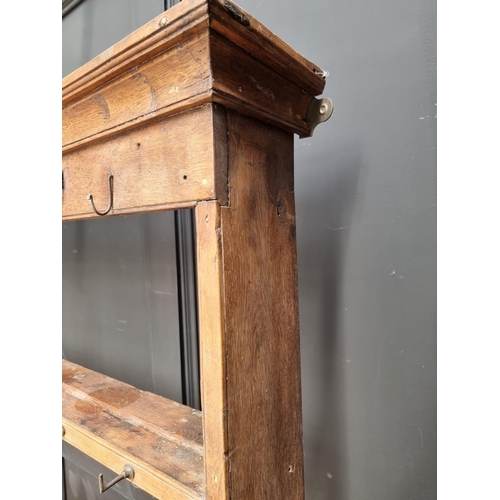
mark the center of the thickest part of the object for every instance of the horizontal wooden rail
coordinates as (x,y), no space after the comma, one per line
(117,425)
(171,163)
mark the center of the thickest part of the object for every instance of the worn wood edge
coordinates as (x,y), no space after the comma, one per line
(128,416)
(183,20)
(253,86)
(266,46)
(161,417)
(220,160)
(153,88)
(252,185)
(212,349)
(133,210)
(154,482)
(211,96)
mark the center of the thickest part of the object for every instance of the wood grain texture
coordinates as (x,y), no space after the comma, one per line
(182,21)
(242,82)
(264,45)
(212,348)
(261,328)
(117,424)
(171,163)
(198,109)
(197,52)
(146,91)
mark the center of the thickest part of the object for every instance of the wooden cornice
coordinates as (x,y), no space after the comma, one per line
(197,52)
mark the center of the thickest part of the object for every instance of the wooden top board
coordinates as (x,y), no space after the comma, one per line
(198,51)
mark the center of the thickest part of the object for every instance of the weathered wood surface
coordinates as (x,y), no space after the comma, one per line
(212,348)
(171,163)
(152,111)
(181,22)
(261,315)
(245,31)
(198,51)
(161,33)
(117,424)
(242,82)
(249,335)
(157,87)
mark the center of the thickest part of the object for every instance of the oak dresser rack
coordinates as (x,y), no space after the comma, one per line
(198,109)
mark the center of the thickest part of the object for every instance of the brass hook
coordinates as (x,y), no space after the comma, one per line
(127,473)
(110,206)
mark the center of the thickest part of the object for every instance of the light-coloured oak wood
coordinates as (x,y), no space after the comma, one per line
(199,51)
(212,348)
(143,92)
(117,424)
(164,31)
(171,163)
(246,32)
(197,109)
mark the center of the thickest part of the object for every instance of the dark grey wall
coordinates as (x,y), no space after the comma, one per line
(366,217)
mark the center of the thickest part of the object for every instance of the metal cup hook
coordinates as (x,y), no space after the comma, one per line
(110,206)
(127,473)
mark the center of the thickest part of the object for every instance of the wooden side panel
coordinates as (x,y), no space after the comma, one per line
(162,82)
(118,424)
(212,349)
(168,164)
(261,327)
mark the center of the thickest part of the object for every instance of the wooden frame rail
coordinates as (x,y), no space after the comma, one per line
(114,423)
(198,109)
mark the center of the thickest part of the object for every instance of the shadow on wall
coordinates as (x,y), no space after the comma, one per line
(321,282)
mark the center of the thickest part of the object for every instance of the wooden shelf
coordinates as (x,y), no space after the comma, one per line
(116,423)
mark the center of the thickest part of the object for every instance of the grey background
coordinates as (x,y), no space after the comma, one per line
(366,227)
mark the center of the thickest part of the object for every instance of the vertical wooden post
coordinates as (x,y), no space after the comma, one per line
(212,348)
(249,320)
